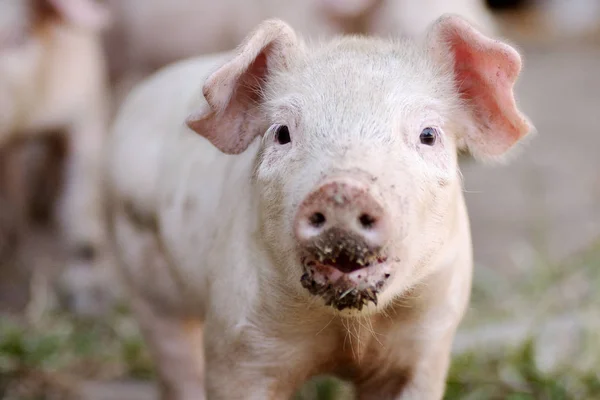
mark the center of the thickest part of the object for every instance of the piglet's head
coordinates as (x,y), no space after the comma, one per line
(355,145)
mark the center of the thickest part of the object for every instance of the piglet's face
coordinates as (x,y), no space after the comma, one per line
(356,172)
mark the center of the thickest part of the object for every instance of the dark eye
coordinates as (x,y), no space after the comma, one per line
(428,136)
(282,134)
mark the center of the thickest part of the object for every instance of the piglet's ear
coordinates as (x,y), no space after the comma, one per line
(87,14)
(485,72)
(234,92)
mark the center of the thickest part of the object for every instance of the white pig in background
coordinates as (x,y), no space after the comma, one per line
(299,206)
(53,78)
(148,34)
(402,17)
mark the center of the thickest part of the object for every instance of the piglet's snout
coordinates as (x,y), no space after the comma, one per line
(343,206)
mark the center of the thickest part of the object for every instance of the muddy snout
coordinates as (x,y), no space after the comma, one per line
(341,224)
(342,232)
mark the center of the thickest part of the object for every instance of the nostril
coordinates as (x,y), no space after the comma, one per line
(317,220)
(367,221)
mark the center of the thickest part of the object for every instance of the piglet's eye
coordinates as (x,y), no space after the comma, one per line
(282,134)
(428,136)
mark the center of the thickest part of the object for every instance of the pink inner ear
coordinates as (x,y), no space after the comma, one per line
(485,72)
(259,66)
(234,121)
(251,81)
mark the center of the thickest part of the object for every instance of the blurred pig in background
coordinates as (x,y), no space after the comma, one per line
(148,34)
(401,17)
(53,114)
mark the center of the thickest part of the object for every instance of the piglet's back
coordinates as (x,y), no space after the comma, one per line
(151,123)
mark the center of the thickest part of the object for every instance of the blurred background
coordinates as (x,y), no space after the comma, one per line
(533,327)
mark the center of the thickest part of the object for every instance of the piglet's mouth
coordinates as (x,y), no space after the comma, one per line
(344,281)
(346,263)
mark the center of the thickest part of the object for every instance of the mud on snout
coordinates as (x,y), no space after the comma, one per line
(344,270)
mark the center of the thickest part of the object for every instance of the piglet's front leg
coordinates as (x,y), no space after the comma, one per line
(424,379)
(252,365)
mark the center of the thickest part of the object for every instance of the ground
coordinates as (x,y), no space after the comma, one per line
(532,331)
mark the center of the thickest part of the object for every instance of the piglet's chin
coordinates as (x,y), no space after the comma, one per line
(346,291)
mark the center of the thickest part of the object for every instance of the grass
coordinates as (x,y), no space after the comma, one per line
(515,376)
(39,360)
(45,358)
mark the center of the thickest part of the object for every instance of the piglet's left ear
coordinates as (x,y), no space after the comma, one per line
(485,72)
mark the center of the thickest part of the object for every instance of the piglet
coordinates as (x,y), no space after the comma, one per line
(53,81)
(289,210)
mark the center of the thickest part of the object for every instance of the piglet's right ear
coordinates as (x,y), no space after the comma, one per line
(234,92)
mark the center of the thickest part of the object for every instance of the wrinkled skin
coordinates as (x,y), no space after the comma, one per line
(215,223)
(53,87)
